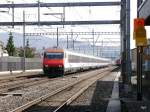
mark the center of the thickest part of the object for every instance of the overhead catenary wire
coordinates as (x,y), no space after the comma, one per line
(77,13)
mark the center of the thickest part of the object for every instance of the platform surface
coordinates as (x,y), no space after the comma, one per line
(114,102)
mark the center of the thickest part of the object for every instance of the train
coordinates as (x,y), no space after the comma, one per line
(58,62)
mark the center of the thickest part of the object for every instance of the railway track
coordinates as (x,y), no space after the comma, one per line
(71,87)
(23,82)
(16,76)
(33,92)
(95,98)
(14,85)
(7,78)
(8,82)
(83,85)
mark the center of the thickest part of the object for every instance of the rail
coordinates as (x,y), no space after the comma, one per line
(71,99)
(44,97)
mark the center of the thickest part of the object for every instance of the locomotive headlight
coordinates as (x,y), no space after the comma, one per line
(46,65)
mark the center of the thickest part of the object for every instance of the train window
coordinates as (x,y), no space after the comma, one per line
(70,58)
(54,55)
(84,59)
(73,58)
(77,59)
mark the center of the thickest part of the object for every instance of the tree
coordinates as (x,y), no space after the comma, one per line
(29,53)
(10,45)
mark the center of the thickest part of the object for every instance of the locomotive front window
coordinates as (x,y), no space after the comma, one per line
(54,55)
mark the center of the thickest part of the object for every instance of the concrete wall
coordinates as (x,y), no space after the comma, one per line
(15,63)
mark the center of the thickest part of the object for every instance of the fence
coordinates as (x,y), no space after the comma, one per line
(16,63)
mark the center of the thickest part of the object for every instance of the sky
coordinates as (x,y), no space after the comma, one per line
(72,13)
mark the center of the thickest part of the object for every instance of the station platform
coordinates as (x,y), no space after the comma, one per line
(126,101)
(19,71)
(129,102)
(114,102)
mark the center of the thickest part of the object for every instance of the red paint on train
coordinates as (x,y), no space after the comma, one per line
(53,62)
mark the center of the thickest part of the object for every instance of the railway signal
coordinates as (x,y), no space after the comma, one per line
(140,32)
(141,41)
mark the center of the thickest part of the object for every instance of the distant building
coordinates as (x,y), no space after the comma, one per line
(1,46)
(2,51)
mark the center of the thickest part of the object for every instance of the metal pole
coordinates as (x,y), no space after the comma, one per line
(93,41)
(123,29)
(139,72)
(61,22)
(38,12)
(67,41)
(73,44)
(64,13)
(57,38)
(72,38)
(97,50)
(13,15)
(102,48)
(24,48)
(139,64)
(128,65)
(121,38)
(139,3)
(67,4)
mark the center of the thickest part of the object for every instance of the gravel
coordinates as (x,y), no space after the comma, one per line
(18,82)
(10,102)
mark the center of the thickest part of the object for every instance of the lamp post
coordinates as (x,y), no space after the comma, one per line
(67,42)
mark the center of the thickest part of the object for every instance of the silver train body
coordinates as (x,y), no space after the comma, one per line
(77,62)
